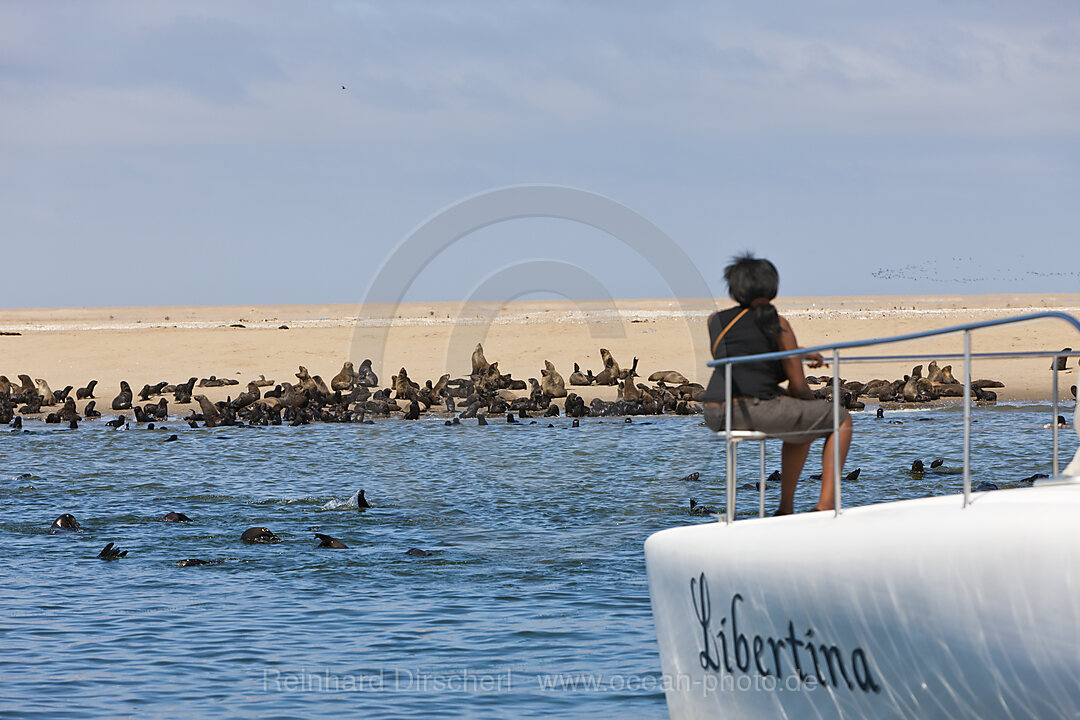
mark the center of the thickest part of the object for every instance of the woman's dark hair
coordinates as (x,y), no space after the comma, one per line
(749,278)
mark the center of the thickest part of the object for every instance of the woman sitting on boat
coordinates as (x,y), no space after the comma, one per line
(758,402)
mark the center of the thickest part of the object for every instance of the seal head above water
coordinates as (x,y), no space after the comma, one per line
(259,535)
(65,523)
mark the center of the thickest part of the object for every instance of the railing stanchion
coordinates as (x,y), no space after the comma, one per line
(1054,412)
(729,509)
(967,417)
(836,399)
(761,486)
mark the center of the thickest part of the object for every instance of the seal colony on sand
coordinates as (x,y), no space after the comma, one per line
(354,395)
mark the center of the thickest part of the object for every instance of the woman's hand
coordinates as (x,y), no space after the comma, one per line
(814,360)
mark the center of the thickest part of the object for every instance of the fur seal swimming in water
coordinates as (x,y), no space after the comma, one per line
(258,535)
(111,552)
(853,475)
(917,467)
(696,509)
(692,477)
(118,422)
(64,523)
(937,463)
(985,486)
(327,541)
(123,400)
(175,517)
(195,562)
(417,552)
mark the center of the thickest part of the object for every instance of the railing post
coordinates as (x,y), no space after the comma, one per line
(836,430)
(729,507)
(967,417)
(1054,412)
(761,483)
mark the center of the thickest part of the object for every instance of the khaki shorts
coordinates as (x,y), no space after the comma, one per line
(790,419)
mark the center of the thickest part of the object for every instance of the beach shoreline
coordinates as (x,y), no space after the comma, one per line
(146,345)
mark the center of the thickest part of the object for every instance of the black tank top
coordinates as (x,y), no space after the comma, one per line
(757,379)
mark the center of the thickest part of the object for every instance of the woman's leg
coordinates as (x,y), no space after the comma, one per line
(827,500)
(792,459)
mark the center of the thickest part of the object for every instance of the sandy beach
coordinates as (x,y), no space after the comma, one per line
(71,346)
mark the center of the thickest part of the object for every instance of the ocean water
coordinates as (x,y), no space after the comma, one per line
(533,603)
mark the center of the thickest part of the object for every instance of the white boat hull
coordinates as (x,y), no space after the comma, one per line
(913,609)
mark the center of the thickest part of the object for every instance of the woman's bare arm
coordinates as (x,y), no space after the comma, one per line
(797,385)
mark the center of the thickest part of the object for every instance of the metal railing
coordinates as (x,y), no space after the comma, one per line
(967,357)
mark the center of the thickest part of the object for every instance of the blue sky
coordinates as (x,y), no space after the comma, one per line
(205,152)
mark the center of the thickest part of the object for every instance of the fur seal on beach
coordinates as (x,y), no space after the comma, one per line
(47,396)
(670,377)
(933,372)
(328,541)
(947,376)
(90,411)
(175,517)
(551,381)
(1061,363)
(112,552)
(344,380)
(211,415)
(578,378)
(64,523)
(259,535)
(27,384)
(365,375)
(123,400)
(68,412)
(480,364)
(610,374)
